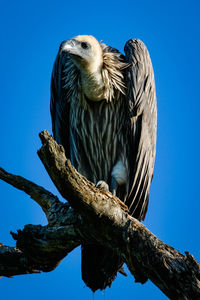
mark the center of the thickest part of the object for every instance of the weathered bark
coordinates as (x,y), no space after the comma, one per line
(94,216)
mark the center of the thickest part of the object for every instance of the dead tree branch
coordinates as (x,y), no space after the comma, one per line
(93,216)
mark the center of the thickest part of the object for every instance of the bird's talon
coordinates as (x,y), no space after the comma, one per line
(102,185)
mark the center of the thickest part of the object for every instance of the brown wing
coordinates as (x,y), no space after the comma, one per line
(61,93)
(143,115)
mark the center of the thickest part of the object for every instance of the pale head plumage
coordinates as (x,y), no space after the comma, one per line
(86,53)
(100,69)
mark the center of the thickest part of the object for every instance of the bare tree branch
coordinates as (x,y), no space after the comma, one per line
(14,262)
(96,217)
(43,197)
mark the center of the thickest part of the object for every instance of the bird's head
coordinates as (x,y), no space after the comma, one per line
(85,52)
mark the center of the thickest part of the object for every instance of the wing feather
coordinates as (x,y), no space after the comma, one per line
(63,77)
(143,115)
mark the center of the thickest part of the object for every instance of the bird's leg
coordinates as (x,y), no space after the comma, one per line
(113,186)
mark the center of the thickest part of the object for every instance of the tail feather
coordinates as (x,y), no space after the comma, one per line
(99,266)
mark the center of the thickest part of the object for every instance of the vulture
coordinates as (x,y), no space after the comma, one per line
(103,110)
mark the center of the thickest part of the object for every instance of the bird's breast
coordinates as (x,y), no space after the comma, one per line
(97,139)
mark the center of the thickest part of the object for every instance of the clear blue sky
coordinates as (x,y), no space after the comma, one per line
(31,32)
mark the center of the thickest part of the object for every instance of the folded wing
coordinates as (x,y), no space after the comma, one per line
(143,117)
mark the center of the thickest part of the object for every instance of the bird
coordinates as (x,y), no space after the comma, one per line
(104,113)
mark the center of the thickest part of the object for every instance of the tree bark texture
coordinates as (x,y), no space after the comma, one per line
(92,216)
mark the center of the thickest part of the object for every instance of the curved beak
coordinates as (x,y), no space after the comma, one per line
(68,46)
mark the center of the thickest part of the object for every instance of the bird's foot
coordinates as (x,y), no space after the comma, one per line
(102,185)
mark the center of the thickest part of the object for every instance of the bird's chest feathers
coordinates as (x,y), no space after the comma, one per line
(95,138)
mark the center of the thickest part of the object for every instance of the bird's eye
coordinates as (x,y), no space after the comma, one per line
(84,45)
